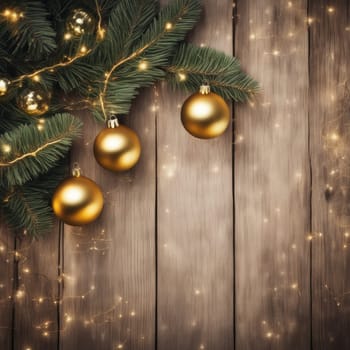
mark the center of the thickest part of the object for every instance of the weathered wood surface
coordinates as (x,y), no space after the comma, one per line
(158,266)
(35,318)
(7,243)
(271,179)
(195,226)
(109,267)
(330,131)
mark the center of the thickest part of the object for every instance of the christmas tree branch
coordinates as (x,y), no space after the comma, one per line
(27,207)
(192,65)
(152,51)
(29,151)
(29,21)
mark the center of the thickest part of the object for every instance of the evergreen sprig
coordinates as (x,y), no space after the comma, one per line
(34,33)
(29,151)
(28,207)
(192,65)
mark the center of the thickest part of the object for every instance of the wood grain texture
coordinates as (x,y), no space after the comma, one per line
(195,225)
(6,277)
(330,131)
(35,322)
(109,266)
(272,179)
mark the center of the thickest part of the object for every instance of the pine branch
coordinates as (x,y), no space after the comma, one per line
(28,152)
(192,65)
(153,49)
(28,207)
(33,34)
(127,22)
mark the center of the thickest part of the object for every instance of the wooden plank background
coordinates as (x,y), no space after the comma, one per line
(329,127)
(272,179)
(235,243)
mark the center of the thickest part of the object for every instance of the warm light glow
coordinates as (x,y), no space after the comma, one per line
(168,26)
(3,86)
(12,15)
(143,65)
(182,76)
(20,294)
(334,136)
(6,148)
(310,20)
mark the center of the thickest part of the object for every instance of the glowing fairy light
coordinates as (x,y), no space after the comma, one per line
(168,26)
(67,36)
(143,65)
(36,78)
(6,148)
(182,76)
(310,20)
(19,294)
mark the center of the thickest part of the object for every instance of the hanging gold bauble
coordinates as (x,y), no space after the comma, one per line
(117,147)
(80,22)
(4,86)
(34,101)
(205,114)
(77,200)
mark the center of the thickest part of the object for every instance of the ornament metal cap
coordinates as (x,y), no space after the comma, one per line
(112,122)
(76,172)
(205,88)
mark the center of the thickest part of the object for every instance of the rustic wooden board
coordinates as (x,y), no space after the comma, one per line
(330,131)
(6,278)
(109,266)
(35,320)
(272,179)
(195,225)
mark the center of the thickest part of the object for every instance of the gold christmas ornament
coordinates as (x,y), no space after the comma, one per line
(205,114)
(80,22)
(77,200)
(117,147)
(34,101)
(4,86)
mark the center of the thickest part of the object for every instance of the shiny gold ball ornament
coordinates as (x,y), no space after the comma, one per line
(80,22)
(4,86)
(205,114)
(77,200)
(34,101)
(117,147)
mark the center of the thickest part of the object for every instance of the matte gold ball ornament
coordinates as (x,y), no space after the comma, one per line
(34,101)
(205,114)
(117,147)
(77,200)
(80,22)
